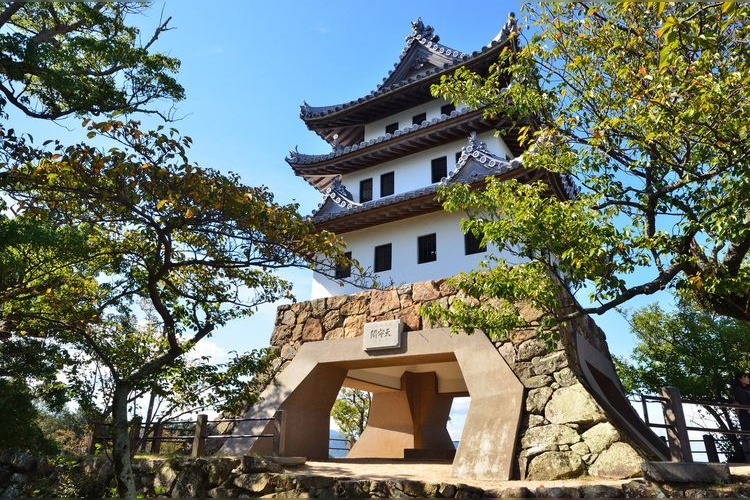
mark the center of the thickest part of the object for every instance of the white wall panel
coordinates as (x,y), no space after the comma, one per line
(403,237)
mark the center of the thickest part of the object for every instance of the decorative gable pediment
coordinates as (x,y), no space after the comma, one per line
(477,162)
(421,54)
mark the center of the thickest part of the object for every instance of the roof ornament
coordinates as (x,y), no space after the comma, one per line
(418,28)
(510,28)
(475,144)
(339,194)
(335,143)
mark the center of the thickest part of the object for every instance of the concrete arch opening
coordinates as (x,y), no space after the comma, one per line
(415,385)
(409,410)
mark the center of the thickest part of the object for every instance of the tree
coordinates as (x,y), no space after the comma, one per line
(58,60)
(646,106)
(198,246)
(20,430)
(78,58)
(695,350)
(350,412)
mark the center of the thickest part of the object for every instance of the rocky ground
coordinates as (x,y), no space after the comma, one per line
(22,476)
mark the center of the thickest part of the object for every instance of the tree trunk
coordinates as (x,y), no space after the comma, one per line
(148,425)
(121,443)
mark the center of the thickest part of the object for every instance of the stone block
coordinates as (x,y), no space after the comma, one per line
(619,461)
(565,377)
(288,352)
(554,465)
(354,326)
(192,480)
(313,330)
(600,437)
(549,436)
(354,306)
(536,381)
(318,307)
(551,363)
(683,472)
(411,318)
(531,348)
(573,405)
(335,302)
(537,398)
(286,317)
(425,291)
(383,301)
(336,333)
(258,483)
(332,319)
(557,492)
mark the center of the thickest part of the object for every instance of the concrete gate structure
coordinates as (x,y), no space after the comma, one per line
(536,412)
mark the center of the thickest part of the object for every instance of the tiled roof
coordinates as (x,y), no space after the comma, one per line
(295,157)
(475,164)
(451,59)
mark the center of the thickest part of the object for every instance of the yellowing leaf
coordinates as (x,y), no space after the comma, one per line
(189,213)
(161,204)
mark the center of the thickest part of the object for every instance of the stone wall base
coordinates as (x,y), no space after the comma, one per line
(22,476)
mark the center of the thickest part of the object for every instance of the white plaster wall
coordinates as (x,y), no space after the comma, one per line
(432,108)
(415,171)
(403,236)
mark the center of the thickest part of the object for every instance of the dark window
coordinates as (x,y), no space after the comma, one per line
(472,244)
(418,119)
(383,258)
(458,156)
(365,190)
(426,248)
(386,184)
(439,168)
(344,271)
(389,129)
(447,109)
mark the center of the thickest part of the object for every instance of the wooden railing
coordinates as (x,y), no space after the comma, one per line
(197,440)
(677,429)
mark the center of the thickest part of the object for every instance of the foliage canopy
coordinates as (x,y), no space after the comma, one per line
(647,106)
(76,58)
(697,351)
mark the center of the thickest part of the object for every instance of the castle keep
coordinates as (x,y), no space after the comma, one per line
(536,411)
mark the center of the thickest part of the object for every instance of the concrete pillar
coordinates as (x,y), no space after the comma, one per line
(429,411)
(413,418)
(389,429)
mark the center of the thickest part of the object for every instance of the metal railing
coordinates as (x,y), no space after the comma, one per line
(346,447)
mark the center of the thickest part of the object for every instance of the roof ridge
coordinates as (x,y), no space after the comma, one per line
(429,40)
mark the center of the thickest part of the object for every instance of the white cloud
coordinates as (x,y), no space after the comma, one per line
(208,347)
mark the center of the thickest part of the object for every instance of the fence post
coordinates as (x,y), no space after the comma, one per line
(98,433)
(674,417)
(710,443)
(279,433)
(201,431)
(135,433)
(156,441)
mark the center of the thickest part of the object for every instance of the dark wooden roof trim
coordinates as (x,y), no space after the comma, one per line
(319,169)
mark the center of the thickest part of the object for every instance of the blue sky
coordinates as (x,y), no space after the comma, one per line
(248,65)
